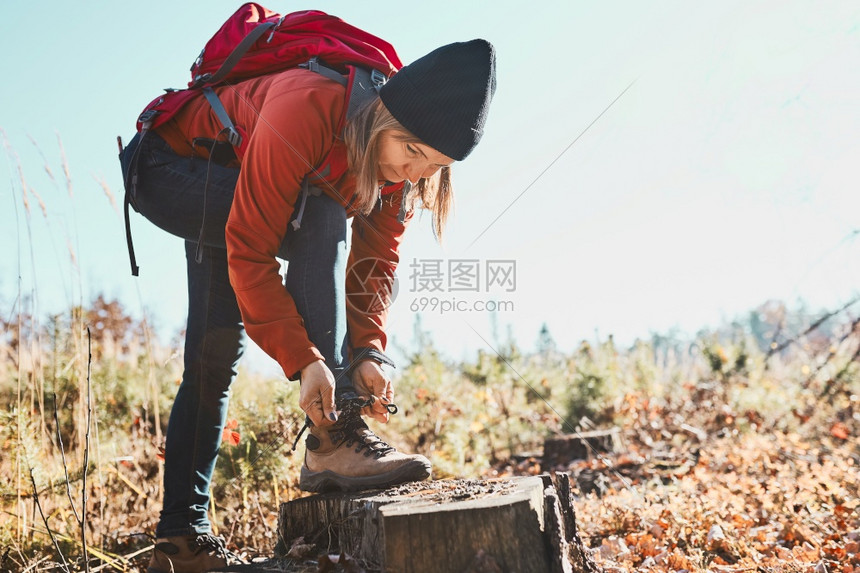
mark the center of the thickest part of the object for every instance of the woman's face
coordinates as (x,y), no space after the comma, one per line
(399,160)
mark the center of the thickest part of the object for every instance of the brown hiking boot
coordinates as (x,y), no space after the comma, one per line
(350,457)
(188,554)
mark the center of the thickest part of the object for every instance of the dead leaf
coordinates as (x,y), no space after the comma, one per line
(716,537)
(840,431)
(332,563)
(299,549)
(614,548)
(678,560)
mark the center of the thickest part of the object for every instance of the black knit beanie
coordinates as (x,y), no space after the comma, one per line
(443,98)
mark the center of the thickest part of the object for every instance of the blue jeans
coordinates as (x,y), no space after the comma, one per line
(170,193)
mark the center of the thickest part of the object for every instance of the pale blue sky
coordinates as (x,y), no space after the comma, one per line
(725,176)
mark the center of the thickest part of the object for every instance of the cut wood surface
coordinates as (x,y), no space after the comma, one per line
(518,524)
(581,445)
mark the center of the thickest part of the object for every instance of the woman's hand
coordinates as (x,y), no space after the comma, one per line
(317,394)
(371,382)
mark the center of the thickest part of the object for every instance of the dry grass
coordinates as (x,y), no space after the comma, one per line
(687,416)
(721,431)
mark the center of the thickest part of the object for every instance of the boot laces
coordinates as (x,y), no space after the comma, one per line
(355,432)
(350,423)
(206,542)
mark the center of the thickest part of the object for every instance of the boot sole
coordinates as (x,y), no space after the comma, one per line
(328,481)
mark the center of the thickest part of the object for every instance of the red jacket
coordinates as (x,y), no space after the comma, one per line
(290,119)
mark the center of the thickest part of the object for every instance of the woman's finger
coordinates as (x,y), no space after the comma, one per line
(314,411)
(370,412)
(327,403)
(316,397)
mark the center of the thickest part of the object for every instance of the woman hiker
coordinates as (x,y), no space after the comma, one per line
(399,149)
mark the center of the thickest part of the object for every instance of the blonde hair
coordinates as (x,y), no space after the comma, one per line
(361,137)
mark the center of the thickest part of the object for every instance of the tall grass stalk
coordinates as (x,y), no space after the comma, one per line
(19,522)
(152,383)
(45,521)
(85,468)
(65,464)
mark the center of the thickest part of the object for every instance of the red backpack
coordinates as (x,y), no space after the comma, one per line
(255,41)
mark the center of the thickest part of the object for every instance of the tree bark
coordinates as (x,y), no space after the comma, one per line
(569,447)
(517,525)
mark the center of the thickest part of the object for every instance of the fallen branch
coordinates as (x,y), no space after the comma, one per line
(110,559)
(125,558)
(127,482)
(35,564)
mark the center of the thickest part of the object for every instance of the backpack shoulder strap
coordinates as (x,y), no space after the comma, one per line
(314,65)
(364,87)
(233,135)
(240,50)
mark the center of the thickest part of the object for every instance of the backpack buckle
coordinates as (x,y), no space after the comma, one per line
(200,80)
(234,137)
(377,78)
(147,116)
(313,65)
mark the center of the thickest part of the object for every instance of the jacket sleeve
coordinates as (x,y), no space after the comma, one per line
(294,131)
(373,258)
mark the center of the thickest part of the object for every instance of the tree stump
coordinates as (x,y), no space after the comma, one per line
(521,524)
(569,447)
